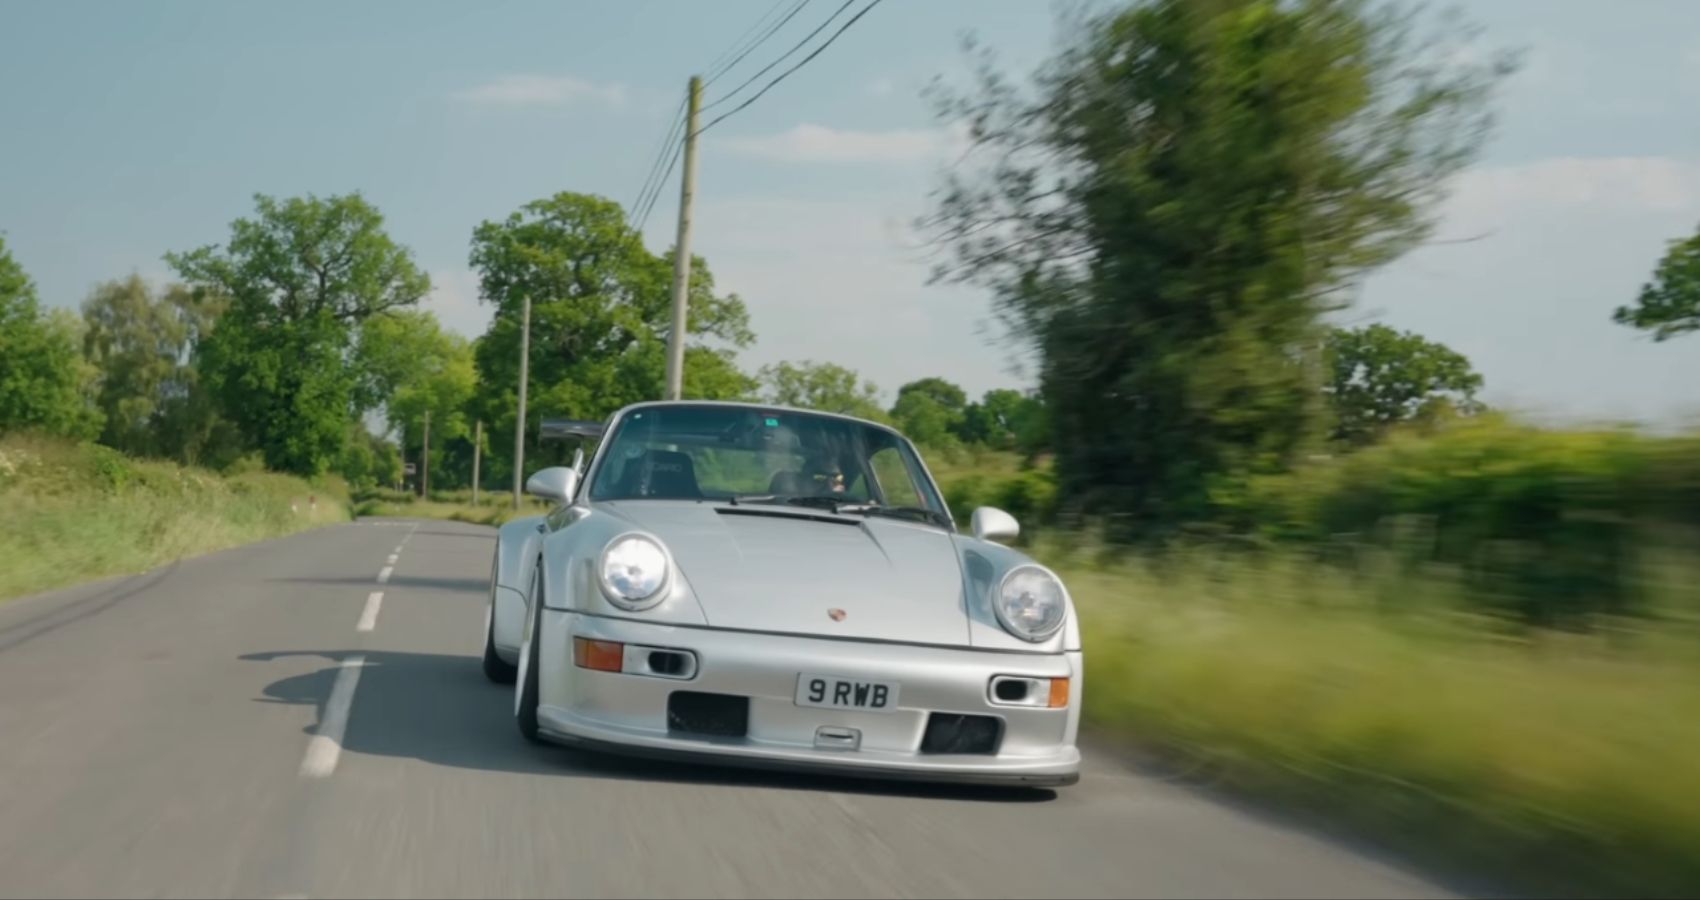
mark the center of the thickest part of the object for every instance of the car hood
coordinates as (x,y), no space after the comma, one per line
(777,569)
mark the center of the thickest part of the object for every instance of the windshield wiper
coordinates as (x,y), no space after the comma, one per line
(873,508)
(912,513)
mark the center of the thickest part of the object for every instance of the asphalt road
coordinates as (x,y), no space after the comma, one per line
(175,734)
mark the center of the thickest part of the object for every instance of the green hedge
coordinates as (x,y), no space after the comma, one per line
(1549,526)
(1031,496)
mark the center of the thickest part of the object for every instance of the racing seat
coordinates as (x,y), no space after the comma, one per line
(663,473)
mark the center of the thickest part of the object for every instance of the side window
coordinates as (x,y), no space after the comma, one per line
(894,478)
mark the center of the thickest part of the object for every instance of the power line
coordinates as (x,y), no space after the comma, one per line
(798,46)
(651,187)
(667,138)
(783,75)
(714,67)
(710,78)
(678,148)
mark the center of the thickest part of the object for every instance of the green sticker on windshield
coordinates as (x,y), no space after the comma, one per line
(773,423)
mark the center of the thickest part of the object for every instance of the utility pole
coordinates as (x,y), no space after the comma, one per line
(425,461)
(519,424)
(682,248)
(477,448)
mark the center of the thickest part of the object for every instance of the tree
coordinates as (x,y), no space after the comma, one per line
(930,411)
(601,310)
(1189,188)
(43,381)
(412,366)
(141,344)
(1005,419)
(1669,305)
(300,277)
(826,387)
(1381,377)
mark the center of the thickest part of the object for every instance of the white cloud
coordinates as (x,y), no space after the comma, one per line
(821,144)
(543,90)
(1625,183)
(454,298)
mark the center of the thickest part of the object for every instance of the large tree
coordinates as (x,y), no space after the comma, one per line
(1380,377)
(930,411)
(1669,305)
(601,311)
(300,277)
(1167,216)
(44,382)
(827,387)
(141,341)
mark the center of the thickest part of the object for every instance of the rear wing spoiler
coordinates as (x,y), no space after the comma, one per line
(561,429)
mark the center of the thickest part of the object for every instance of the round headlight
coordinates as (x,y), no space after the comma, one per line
(1030,603)
(634,571)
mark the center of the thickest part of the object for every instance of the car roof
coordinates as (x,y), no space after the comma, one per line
(735,404)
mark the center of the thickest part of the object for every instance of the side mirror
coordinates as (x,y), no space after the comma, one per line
(992,524)
(557,483)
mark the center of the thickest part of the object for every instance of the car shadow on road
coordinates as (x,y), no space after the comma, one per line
(440,708)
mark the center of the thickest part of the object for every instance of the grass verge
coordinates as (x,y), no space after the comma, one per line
(492,508)
(1566,764)
(76,512)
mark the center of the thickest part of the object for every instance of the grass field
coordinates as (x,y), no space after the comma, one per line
(76,512)
(1565,762)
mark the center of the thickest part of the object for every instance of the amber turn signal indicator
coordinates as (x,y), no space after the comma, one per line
(608,656)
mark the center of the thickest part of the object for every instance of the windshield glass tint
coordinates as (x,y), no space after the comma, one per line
(716,453)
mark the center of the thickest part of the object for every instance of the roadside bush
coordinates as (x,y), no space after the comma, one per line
(75,512)
(1545,525)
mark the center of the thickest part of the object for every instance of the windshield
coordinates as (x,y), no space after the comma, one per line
(749,455)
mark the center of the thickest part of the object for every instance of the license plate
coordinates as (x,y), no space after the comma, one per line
(833,692)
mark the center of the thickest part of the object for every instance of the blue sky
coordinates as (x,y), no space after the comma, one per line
(131,129)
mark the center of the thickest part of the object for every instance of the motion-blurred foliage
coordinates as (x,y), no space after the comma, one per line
(1544,525)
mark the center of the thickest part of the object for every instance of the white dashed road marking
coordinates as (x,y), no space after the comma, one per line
(326,746)
(392,558)
(384,574)
(369,616)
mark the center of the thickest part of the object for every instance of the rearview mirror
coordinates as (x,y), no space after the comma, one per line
(557,483)
(992,524)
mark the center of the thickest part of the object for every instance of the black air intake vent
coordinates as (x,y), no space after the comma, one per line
(955,733)
(708,715)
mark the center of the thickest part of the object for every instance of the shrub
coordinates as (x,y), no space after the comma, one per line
(1545,525)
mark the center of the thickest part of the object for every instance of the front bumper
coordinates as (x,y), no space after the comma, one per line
(628,713)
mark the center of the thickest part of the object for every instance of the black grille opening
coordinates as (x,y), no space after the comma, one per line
(1010,691)
(714,715)
(954,733)
(666,662)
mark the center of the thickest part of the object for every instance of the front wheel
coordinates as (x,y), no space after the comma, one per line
(526,692)
(495,668)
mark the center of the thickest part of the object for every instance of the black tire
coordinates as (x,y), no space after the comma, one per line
(495,668)
(525,713)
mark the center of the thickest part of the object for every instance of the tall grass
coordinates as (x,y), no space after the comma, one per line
(75,512)
(1568,763)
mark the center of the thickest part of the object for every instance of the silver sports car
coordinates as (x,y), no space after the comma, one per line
(785,589)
